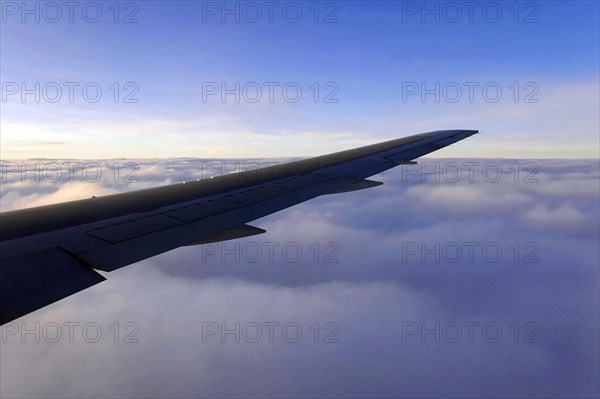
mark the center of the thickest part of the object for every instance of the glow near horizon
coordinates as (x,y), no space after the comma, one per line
(373,57)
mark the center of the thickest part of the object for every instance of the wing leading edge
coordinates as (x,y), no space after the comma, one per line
(50,252)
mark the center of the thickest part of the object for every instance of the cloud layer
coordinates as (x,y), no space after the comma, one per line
(462,278)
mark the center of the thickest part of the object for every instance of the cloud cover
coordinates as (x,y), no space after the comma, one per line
(507,247)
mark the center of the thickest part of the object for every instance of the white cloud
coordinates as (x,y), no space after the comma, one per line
(370,294)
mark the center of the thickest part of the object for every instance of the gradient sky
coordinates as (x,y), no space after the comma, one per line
(371,52)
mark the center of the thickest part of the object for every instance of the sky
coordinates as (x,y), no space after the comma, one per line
(473,274)
(160,79)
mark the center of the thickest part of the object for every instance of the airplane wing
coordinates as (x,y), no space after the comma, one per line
(50,252)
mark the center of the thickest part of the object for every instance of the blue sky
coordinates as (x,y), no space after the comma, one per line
(370,54)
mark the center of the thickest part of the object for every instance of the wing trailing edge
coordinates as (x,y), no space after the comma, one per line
(359,185)
(230,234)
